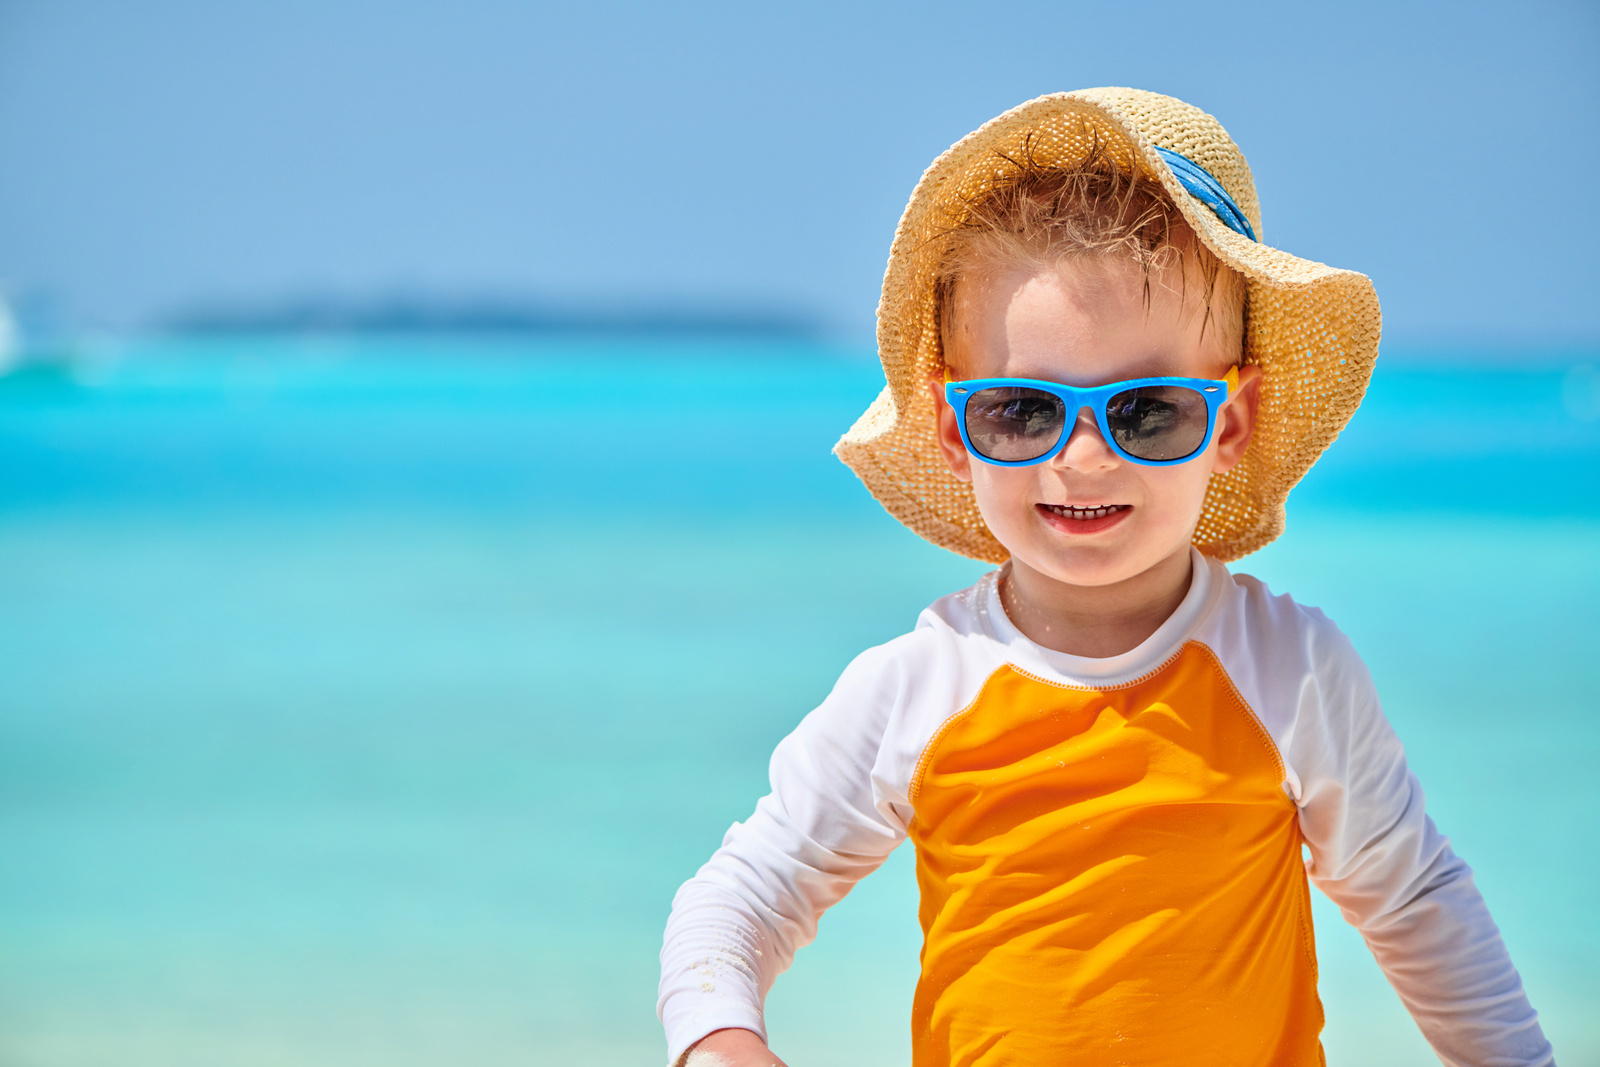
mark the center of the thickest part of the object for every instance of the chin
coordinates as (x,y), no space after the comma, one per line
(1089,566)
(1085,567)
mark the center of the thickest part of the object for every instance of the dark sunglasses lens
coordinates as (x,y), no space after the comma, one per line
(1158,421)
(1012,424)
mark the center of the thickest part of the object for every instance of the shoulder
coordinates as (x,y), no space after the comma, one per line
(892,697)
(948,632)
(1293,666)
(1252,626)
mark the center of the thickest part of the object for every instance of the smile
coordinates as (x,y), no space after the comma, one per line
(1067,511)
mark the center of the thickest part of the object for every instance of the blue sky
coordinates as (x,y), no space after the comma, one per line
(164,156)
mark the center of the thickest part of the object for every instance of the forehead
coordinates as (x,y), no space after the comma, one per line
(1084,320)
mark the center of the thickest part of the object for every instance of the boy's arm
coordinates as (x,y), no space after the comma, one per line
(736,925)
(1377,855)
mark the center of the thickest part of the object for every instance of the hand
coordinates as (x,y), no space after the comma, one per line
(731,1048)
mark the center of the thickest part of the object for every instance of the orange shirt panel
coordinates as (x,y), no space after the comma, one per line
(1111,876)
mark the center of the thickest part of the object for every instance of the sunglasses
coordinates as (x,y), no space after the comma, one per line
(1014,422)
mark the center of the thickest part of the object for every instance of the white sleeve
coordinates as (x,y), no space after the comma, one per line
(1378,856)
(736,925)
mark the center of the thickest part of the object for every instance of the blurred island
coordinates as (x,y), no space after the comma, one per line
(413,316)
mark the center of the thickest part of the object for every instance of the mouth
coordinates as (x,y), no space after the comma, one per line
(1099,511)
(1083,520)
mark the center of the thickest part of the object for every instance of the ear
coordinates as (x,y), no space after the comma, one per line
(1236,420)
(948,433)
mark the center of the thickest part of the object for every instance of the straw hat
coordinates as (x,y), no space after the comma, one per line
(1312,329)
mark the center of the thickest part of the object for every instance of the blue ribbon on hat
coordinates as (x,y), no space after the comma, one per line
(1206,189)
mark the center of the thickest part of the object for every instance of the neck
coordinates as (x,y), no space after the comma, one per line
(1094,620)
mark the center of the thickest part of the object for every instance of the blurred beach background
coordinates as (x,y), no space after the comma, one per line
(417,521)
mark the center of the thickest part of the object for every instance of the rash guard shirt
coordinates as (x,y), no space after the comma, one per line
(1109,851)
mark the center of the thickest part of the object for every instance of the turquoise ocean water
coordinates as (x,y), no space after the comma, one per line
(364,703)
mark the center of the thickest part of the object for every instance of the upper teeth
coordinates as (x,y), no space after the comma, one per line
(1085,513)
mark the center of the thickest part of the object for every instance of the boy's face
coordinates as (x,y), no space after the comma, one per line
(1084,323)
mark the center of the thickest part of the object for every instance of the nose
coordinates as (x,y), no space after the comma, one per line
(1085,449)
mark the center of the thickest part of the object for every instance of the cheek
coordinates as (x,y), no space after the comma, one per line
(1004,491)
(1177,492)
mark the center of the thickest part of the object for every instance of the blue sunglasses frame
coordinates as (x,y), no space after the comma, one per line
(1215,392)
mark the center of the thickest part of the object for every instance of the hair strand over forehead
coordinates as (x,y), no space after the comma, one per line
(1032,216)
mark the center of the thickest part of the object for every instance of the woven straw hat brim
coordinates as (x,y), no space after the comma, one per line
(1312,329)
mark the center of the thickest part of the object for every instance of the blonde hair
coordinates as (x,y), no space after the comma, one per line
(1034,216)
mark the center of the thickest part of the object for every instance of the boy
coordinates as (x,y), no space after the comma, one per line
(1110,752)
